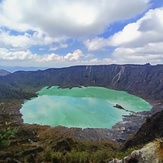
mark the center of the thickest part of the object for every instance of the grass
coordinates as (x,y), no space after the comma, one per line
(102,154)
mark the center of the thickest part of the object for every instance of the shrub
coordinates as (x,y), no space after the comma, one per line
(5,135)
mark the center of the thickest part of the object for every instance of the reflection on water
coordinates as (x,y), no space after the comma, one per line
(87,107)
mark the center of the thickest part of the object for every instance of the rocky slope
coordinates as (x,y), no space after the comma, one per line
(151,129)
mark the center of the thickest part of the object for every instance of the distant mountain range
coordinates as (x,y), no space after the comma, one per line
(21,68)
(143,80)
(4,72)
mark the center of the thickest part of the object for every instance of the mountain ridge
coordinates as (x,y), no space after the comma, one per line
(145,81)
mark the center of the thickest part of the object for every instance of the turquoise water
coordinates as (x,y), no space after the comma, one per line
(86,107)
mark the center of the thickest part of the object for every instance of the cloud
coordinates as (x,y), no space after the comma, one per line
(67,18)
(96,44)
(62,45)
(7,55)
(14,41)
(145,44)
(74,56)
(52,25)
(126,36)
(140,41)
(139,55)
(27,58)
(148,29)
(25,40)
(151,53)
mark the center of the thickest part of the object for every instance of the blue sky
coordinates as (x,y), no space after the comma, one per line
(59,33)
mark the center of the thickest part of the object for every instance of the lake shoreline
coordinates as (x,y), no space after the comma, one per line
(119,133)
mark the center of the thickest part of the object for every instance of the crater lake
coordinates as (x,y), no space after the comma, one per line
(85,107)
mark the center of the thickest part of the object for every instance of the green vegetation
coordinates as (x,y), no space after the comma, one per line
(102,155)
(26,146)
(5,136)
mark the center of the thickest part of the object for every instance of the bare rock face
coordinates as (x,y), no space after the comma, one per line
(151,153)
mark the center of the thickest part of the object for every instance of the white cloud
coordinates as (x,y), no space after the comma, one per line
(51,24)
(62,45)
(96,44)
(148,29)
(145,44)
(7,55)
(76,55)
(67,18)
(25,40)
(27,58)
(138,42)
(128,35)
(151,53)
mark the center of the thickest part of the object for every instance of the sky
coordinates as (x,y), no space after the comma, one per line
(61,33)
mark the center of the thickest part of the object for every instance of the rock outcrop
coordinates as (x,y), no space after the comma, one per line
(150,153)
(119,106)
